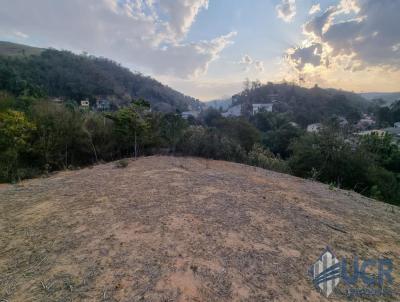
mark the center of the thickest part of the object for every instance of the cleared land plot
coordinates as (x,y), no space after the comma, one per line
(181,229)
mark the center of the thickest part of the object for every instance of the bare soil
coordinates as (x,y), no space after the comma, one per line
(182,229)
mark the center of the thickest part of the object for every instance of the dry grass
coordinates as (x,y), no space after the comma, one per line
(180,229)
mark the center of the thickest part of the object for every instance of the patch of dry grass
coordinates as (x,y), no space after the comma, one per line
(180,229)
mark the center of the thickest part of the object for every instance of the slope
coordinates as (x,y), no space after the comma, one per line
(13,49)
(66,75)
(181,229)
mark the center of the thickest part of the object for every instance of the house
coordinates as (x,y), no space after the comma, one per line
(397,125)
(262,107)
(85,104)
(57,100)
(342,121)
(314,127)
(365,123)
(370,132)
(103,105)
(192,113)
(233,111)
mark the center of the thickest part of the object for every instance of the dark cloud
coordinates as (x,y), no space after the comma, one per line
(366,32)
(306,55)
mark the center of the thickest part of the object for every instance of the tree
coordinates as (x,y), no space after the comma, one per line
(326,156)
(131,126)
(15,135)
(240,130)
(172,129)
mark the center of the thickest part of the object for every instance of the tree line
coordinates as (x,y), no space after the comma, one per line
(38,136)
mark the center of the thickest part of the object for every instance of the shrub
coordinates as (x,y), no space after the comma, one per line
(123,163)
(265,159)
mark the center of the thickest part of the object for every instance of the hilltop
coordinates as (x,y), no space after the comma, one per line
(388,97)
(305,105)
(63,74)
(181,229)
(17,50)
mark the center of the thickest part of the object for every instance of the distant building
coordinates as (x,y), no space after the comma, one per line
(370,132)
(186,114)
(233,111)
(342,121)
(57,100)
(365,123)
(397,125)
(314,127)
(103,105)
(262,107)
(85,104)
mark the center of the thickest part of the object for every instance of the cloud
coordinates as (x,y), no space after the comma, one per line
(246,59)
(181,14)
(20,34)
(301,56)
(315,9)
(259,65)
(354,35)
(147,34)
(286,10)
(249,63)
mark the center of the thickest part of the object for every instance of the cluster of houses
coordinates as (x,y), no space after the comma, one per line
(363,128)
(233,111)
(101,104)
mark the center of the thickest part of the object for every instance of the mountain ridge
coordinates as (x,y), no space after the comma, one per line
(61,73)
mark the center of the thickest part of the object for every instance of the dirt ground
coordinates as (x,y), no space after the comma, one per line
(182,229)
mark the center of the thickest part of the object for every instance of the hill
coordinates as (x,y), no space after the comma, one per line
(388,97)
(63,74)
(14,50)
(305,105)
(224,103)
(181,229)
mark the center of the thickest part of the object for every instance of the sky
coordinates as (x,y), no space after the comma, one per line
(208,48)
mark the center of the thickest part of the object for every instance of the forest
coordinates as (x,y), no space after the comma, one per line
(63,74)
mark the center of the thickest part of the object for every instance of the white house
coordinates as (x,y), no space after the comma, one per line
(186,114)
(233,111)
(366,122)
(262,107)
(378,132)
(85,104)
(314,127)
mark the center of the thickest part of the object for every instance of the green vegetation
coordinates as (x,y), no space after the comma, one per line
(63,74)
(38,136)
(386,115)
(18,50)
(305,106)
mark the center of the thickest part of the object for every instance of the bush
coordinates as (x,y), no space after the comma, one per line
(265,159)
(123,163)
(384,185)
(210,143)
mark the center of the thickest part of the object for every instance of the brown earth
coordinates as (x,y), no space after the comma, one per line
(182,229)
